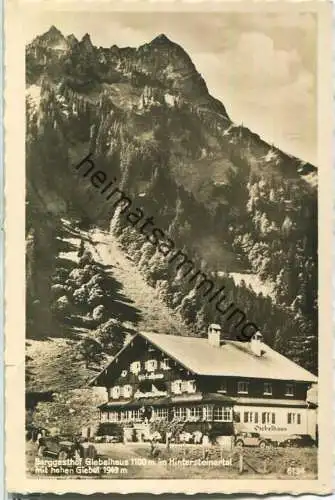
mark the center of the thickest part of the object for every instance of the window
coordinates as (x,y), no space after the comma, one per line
(180,413)
(113,416)
(184,386)
(188,386)
(267,389)
(115,392)
(165,364)
(208,413)
(151,365)
(123,415)
(124,373)
(127,391)
(289,390)
(237,416)
(268,418)
(294,418)
(137,414)
(135,367)
(176,386)
(195,412)
(223,414)
(251,417)
(242,387)
(161,413)
(191,387)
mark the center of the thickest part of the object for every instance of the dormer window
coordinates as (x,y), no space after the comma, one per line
(165,364)
(151,365)
(135,367)
(176,386)
(289,390)
(267,389)
(242,387)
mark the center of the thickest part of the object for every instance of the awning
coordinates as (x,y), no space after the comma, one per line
(297,403)
(136,403)
(168,401)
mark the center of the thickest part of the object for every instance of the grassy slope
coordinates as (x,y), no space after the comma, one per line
(153,314)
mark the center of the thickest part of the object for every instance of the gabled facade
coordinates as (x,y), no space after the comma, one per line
(165,377)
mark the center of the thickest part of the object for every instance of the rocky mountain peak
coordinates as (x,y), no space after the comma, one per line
(53,31)
(52,36)
(71,39)
(86,43)
(161,39)
(87,40)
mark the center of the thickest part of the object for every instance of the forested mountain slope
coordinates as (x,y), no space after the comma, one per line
(231,201)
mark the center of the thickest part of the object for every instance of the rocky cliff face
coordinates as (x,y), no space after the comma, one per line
(233,201)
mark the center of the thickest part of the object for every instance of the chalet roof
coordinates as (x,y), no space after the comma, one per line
(232,358)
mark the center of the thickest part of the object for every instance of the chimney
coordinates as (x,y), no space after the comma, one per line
(214,335)
(256,344)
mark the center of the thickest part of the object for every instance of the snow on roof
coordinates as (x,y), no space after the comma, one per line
(232,358)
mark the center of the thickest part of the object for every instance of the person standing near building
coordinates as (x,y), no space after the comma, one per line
(38,438)
(168,439)
(205,444)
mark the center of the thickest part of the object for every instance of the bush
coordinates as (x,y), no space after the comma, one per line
(58,291)
(86,258)
(111,335)
(95,296)
(60,275)
(62,305)
(109,429)
(99,313)
(80,296)
(90,350)
(69,411)
(97,279)
(79,276)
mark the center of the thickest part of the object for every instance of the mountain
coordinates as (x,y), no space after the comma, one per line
(234,203)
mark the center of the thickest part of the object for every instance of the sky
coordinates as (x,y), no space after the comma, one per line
(261,66)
